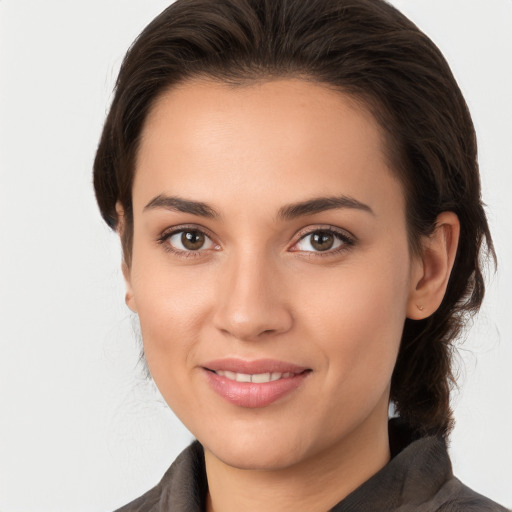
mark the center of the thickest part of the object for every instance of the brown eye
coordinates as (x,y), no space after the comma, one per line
(192,240)
(187,240)
(322,240)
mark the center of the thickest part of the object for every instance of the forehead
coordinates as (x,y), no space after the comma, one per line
(292,135)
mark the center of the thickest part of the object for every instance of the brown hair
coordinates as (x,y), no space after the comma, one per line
(365,48)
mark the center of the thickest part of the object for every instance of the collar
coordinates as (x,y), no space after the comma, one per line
(418,478)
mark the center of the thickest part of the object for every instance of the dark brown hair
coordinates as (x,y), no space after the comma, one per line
(365,48)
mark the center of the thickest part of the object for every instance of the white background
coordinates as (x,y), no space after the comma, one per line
(79,429)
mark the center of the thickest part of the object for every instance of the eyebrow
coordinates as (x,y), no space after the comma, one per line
(321,204)
(287,212)
(179,204)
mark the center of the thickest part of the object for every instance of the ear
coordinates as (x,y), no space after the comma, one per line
(432,268)
(125,268)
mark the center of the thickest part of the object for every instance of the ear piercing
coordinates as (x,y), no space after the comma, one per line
(421,307)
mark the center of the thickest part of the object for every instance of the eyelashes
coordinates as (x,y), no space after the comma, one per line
(323,241)
(194,241)
(187,241)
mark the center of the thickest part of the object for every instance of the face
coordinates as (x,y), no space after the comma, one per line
(270,270)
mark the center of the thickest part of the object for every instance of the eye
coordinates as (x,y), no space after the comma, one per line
(323,240)
(187,240)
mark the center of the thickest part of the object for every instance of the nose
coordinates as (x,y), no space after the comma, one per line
(251,303)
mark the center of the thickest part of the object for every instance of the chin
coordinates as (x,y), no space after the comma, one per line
(257,452)
(257,460)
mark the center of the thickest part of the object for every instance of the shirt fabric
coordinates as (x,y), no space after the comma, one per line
(418,478)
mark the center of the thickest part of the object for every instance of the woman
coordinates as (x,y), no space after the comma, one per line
(296,190)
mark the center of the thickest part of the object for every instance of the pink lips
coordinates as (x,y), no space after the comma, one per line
(269,380)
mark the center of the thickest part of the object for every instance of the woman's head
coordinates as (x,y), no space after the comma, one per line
(363,50)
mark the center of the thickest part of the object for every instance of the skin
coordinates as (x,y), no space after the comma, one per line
(258,288)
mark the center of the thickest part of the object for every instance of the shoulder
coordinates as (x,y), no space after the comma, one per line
(454,496)
(422,466)
(182,488)
(148,502)
(418,478)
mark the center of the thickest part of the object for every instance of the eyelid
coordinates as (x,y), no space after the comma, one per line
(169,232)
(347,239)
(183,227)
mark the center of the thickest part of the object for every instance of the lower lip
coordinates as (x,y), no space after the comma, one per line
(249,394)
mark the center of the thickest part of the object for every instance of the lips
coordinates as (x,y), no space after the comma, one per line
(254,383)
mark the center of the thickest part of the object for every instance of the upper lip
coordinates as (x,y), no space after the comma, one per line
(253,367)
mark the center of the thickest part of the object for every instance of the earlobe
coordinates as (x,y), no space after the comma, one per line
(432,269)
(129,296)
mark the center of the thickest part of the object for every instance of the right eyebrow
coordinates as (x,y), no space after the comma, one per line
(178,204)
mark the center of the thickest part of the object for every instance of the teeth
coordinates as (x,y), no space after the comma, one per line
(258,378)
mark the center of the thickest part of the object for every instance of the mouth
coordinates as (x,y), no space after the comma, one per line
(258,378)
(254,383)
(233,365)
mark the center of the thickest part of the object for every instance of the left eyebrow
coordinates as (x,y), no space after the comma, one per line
(321,204)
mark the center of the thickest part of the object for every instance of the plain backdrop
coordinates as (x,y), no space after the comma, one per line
(80,429)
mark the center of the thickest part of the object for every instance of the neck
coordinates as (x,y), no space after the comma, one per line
(313,485)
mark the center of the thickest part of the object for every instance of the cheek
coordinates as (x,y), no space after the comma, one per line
(169,314)
(170,303)
(356,315)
